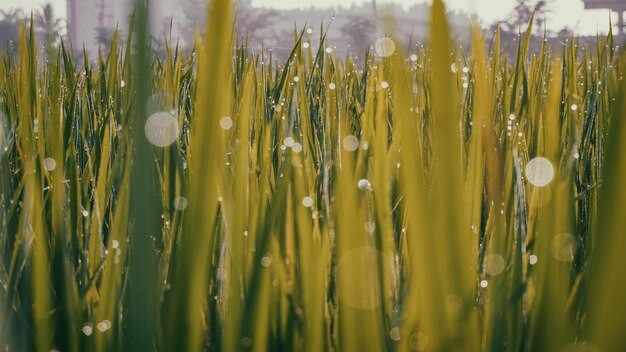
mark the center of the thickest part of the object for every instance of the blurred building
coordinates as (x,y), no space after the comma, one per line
(618,6)
(92,22)
(354,29)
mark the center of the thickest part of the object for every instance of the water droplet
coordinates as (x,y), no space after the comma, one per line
(329,50)
(49,164)
(266,261)
(364,184)
(309,30)
(493,264)
(574,107)
(564,247)
(414,58)
(307,202)
(161,129)
(384,85)
(539,172)
(220,274)
(296,79)
(226,122)
(331,86)
(484,283)
(87,329)
(246,341)
(454,305)
(306,45)
(350,143)
(466,69)
(115,244)
(385,47)
(512,117)
(297,147)
(85,213)
(394,334)
(104,325)
(532,259)
(289,141)
(180,203)
(453,68)
(419,341)
(122,84)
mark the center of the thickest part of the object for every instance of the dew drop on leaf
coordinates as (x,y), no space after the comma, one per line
(226,123)
(49,164)
(384,47)
(161,129)
(350,143)
(539,172)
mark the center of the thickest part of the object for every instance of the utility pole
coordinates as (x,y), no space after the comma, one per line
(71,16)
(375,20)
(374,10)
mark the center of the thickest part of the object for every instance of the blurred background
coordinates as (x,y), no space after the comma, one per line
(270,23)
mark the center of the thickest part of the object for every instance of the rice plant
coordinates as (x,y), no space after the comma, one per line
(430,199)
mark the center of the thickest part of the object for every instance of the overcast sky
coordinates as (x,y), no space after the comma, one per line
(564,12)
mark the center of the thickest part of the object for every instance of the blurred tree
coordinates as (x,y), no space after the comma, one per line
(194,12)
(8,25)
(49,29)
(542,8)
(358,31)
(523,11)
(565,32)
(258,24)
(103,38)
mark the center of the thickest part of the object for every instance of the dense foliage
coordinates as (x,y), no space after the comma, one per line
(432,200)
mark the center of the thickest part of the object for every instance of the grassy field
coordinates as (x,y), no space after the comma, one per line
(433,199)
